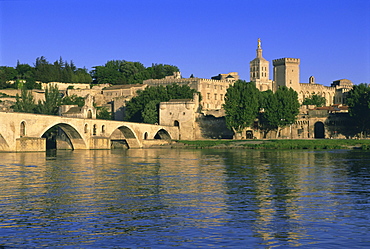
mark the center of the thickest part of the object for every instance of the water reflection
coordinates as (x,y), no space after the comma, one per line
(187,198)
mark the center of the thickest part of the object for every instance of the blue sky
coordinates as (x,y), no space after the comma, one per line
(201,37)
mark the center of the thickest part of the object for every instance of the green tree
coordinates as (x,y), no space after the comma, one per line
(24,71)
(25,102)
(31,84)
(150,113)
(60,71)
(50,105)
(103,113)
(73,100)
(268,104)
(7,74)
(281,109)
(118,72)
(242,102)
(315,99)
(154,95)
(358,101)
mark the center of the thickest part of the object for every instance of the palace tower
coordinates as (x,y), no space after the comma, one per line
(286,73)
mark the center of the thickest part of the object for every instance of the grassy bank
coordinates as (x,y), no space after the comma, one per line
(312,144)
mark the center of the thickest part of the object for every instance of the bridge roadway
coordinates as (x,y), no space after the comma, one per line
(27,132)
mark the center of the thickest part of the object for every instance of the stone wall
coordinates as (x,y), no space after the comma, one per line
(212,91)
(210,127)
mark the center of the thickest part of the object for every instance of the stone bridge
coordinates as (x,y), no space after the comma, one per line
(29,132)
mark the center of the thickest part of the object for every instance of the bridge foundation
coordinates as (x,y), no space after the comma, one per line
(30,144)
(100,143)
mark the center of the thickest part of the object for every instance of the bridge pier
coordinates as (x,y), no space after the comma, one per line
(100,143)
(30,144)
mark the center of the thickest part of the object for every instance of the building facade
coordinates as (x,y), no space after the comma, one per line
(212,90)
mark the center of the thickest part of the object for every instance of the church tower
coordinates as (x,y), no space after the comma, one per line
(259,70)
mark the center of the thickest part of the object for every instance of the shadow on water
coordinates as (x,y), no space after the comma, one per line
(51,154)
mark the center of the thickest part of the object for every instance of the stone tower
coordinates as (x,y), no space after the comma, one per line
(259,70)
(286,73)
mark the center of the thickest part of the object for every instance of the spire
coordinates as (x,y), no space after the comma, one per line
(259,49)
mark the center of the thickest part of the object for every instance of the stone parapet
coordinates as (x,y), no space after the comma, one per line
(283,61)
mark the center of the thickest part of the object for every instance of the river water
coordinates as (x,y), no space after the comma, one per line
(160,198)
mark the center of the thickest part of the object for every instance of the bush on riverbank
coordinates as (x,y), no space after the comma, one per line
(312,144)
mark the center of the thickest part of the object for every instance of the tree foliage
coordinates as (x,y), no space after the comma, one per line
(242,102)
(315,99)
(141,108)
(103,113)
(25,102)
(118,72)
(60,71)
(53,100)
(6,74)
(73,100)
(281,109)
(114,72)
(358,101)
(150,113)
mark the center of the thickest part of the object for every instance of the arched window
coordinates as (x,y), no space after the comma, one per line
(23,129)
(89,114)
(94,129)
(176,123)
(103,129)
(86,128)
(145,135)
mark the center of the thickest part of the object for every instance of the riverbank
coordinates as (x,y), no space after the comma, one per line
(315,144)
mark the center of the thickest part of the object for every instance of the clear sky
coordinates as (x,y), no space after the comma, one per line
(201,37)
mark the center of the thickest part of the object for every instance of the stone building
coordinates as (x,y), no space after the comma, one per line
(74,111)
(259,71)
(212,90)
(192,123)
(286,72)
(312,122)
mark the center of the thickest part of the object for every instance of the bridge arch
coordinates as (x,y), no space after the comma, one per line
(124,136)
(162,134)
(70,136)
(3,144)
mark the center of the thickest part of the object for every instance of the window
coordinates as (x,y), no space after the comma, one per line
(215,96)
(23,129)
(86,128)
(94,129)
(103,129)
(221,96)
(208,96)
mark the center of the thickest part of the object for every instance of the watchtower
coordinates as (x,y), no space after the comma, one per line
(286,73)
